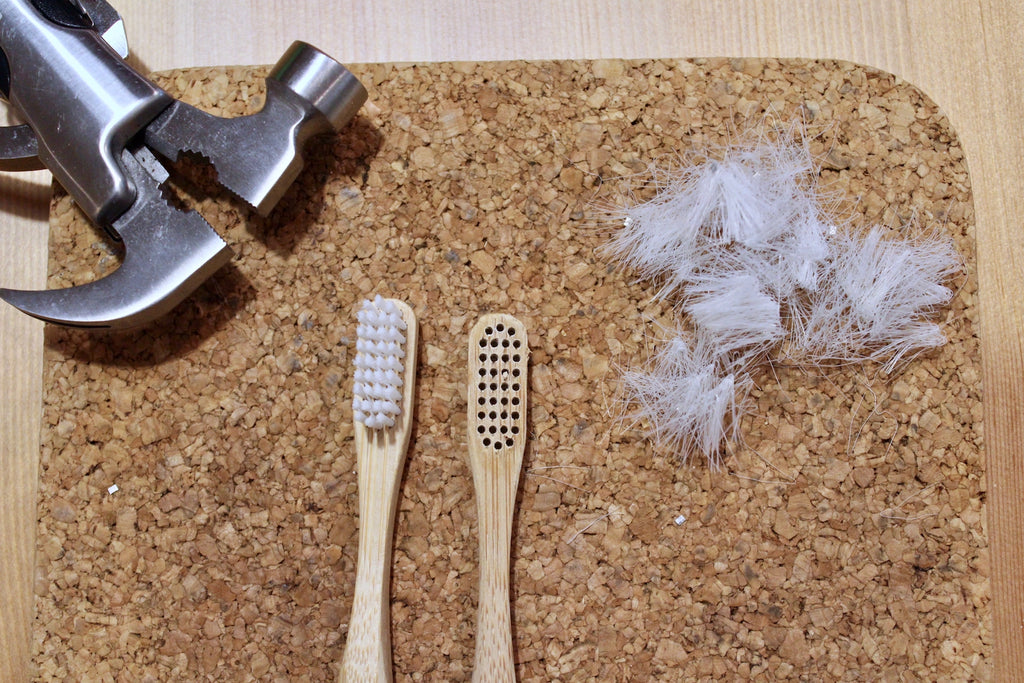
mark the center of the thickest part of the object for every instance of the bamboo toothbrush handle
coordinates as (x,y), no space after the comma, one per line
(496,403)
(367,655)
(496,494)
(380,459)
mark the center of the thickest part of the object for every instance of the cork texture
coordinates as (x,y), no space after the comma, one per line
(845,541)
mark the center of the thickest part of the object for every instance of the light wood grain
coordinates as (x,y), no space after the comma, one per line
(23,234)
(496,405)
(380,458)
(964,54)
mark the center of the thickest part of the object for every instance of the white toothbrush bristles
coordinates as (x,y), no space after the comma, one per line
(379,364)
(874,297)
(753,206)
(691,402)
(734,312)
(746,248)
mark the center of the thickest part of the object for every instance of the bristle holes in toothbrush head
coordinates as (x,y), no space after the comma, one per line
(500,355)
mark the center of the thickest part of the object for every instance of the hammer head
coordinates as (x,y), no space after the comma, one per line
(257,157)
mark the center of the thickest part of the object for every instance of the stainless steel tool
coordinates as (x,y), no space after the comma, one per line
(95,123)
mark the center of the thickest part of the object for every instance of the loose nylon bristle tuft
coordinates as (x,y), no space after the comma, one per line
(379,364)
(747,247)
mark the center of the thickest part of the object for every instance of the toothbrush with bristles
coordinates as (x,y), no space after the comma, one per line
(498,354)
(382,395)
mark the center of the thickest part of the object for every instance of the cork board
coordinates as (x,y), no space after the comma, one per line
(847,541)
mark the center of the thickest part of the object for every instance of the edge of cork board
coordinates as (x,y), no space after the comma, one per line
(849,535)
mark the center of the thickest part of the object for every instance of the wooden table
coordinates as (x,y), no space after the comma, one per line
(962,54)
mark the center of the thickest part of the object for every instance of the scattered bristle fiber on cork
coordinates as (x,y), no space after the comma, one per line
(744,245)
(692,401)
(873,300)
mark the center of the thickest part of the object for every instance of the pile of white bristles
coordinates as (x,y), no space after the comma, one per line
(745,248)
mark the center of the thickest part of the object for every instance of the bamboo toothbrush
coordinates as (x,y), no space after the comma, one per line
(497,436)
(385,373)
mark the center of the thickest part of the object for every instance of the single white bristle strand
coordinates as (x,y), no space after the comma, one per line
(379,364)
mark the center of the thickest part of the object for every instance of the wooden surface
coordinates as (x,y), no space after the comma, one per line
(965,55)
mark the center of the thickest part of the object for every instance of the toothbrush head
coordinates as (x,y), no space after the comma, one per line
(498,353)
(380,363)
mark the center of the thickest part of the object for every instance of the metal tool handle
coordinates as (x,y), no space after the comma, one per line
(54,56)
(19,149)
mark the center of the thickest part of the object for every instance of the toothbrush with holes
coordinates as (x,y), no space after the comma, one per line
(385,373)
(498,354)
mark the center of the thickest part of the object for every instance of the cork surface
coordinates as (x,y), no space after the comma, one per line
(846,541)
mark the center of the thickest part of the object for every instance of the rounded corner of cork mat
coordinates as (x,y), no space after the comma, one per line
(198,501)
